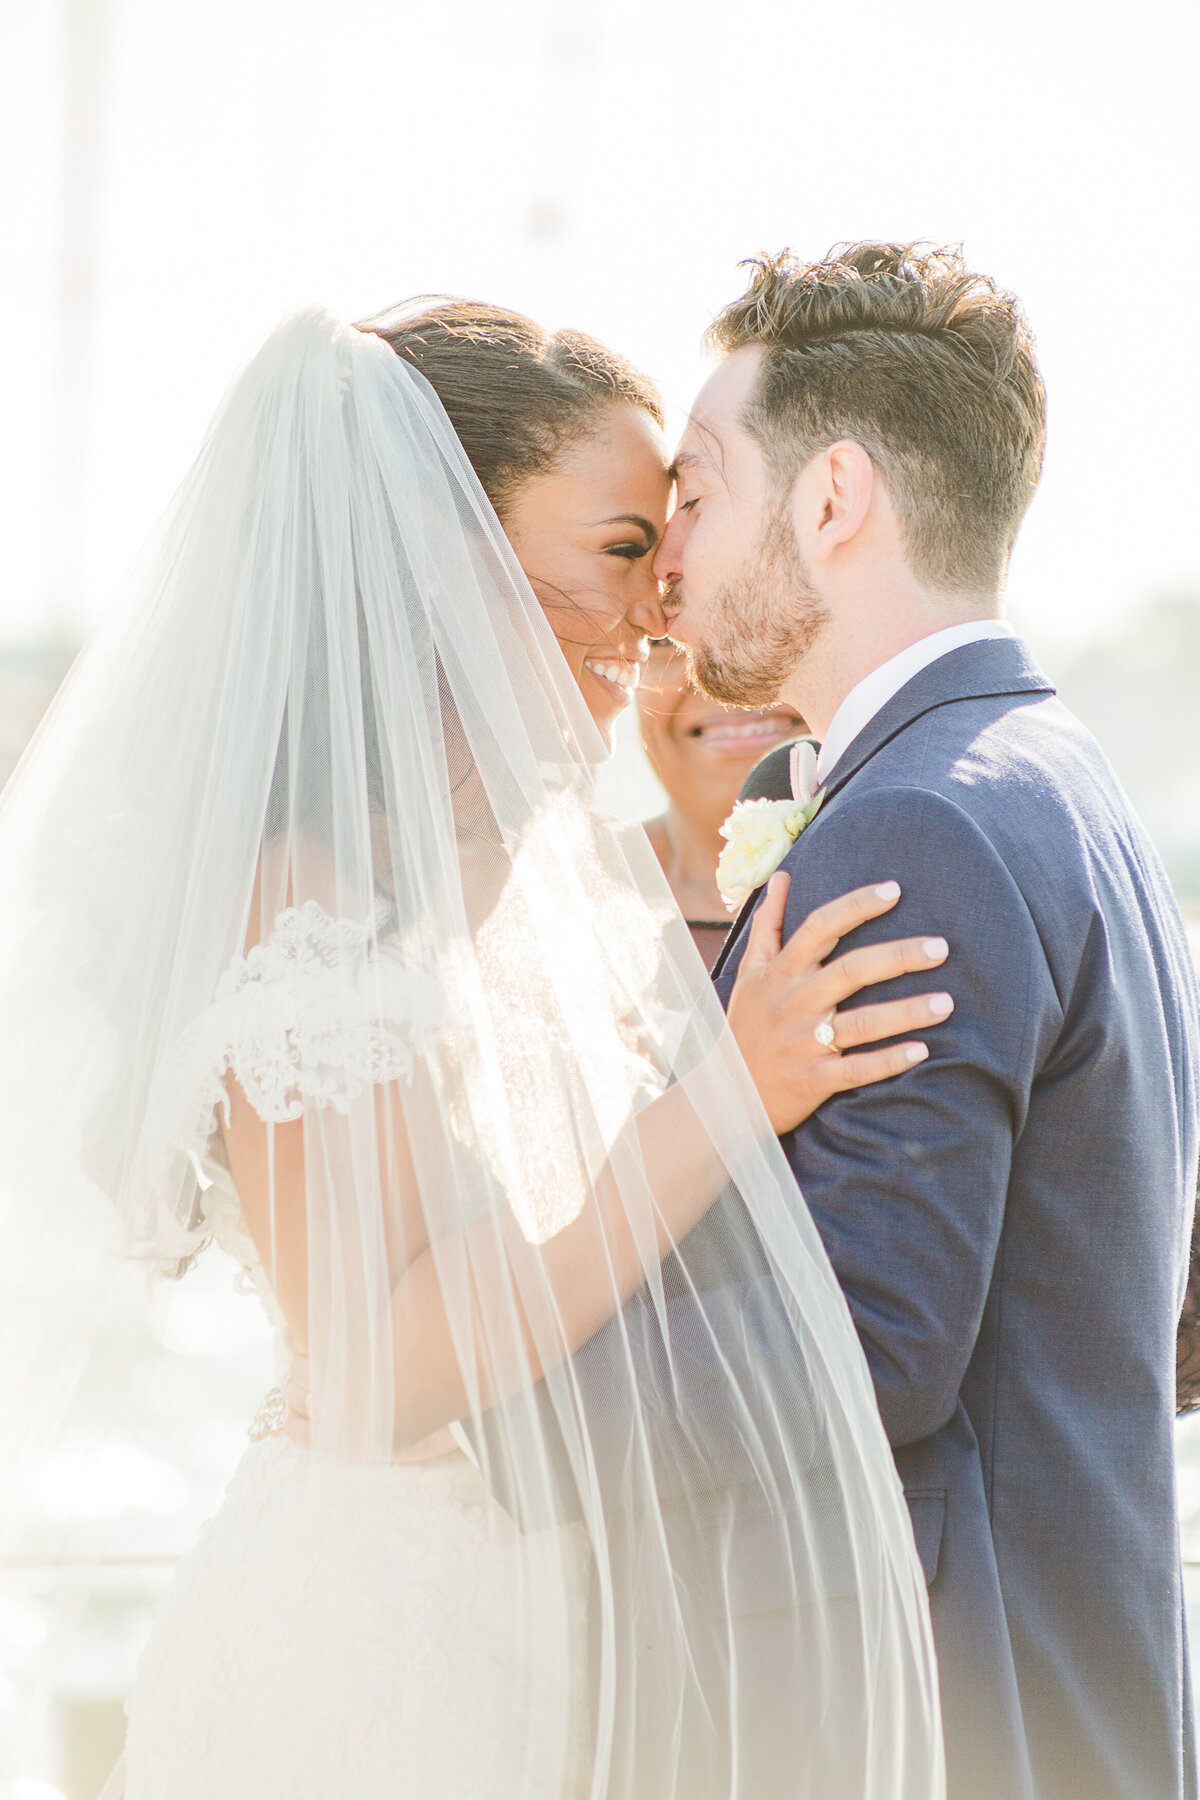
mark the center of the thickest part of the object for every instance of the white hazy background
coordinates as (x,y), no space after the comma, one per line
(178,177)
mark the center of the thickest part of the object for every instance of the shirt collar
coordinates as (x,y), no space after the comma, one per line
(875,690)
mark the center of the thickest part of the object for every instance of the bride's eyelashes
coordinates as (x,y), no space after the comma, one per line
(633,549)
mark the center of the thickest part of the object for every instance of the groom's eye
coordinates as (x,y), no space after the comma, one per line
(687,505)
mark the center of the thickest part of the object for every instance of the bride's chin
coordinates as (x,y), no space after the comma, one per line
(607,727)
(605,720)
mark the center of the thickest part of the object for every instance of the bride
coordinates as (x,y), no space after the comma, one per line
(312,909)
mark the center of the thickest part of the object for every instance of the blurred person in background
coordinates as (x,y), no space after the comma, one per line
(701,752)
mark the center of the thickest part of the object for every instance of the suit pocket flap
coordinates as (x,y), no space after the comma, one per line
(927,1509)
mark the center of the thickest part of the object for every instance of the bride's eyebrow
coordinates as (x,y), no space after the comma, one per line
(631,519)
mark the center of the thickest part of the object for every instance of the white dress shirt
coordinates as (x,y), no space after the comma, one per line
(875,690)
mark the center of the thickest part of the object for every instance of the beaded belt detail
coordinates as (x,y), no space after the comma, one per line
(270,1418)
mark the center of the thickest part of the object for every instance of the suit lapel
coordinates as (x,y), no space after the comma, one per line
(735,930)
(988,669)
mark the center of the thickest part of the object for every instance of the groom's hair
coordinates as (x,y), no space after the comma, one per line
(927,365)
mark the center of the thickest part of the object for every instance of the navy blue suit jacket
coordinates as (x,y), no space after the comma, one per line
(1009,1221)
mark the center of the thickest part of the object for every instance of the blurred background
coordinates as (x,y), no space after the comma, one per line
(178,178)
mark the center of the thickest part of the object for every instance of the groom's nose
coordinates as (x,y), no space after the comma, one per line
(666,558)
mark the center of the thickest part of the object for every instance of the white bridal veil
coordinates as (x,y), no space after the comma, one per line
(306,896)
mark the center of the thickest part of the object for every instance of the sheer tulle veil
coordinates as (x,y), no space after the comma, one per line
(313,829)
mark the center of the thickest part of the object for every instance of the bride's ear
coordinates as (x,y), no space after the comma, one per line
(831,499)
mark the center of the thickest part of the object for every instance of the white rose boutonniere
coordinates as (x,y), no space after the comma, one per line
(758,835)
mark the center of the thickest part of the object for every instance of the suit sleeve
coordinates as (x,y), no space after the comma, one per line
(907,1180)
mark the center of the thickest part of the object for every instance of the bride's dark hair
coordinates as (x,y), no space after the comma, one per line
(516,394)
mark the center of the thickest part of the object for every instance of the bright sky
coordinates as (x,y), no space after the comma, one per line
(599,165)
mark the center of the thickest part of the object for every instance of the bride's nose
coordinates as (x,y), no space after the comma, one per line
(646,614)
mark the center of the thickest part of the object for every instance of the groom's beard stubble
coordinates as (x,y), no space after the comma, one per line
(763,622)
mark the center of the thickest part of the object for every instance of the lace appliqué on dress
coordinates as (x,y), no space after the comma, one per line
(313,1014)
(317,1014)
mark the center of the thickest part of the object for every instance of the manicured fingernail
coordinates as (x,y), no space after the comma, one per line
(935,949)
(888,890)
(916,1053)
(941,1004)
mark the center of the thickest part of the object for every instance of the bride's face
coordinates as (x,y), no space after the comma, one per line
(585,533)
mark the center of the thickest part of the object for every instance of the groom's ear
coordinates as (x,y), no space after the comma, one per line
(831,498)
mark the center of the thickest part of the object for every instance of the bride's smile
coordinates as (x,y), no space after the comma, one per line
(624,677)
(585,533)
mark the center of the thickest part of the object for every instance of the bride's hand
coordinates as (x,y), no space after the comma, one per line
(784,993)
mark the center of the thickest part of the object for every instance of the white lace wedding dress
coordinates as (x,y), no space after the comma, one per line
(351,1632)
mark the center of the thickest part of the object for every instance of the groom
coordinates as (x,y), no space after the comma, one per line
(1007,1222)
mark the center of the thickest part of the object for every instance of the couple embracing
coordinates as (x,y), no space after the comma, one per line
(711,1395)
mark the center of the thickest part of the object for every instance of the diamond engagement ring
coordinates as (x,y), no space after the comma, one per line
(823,1032)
